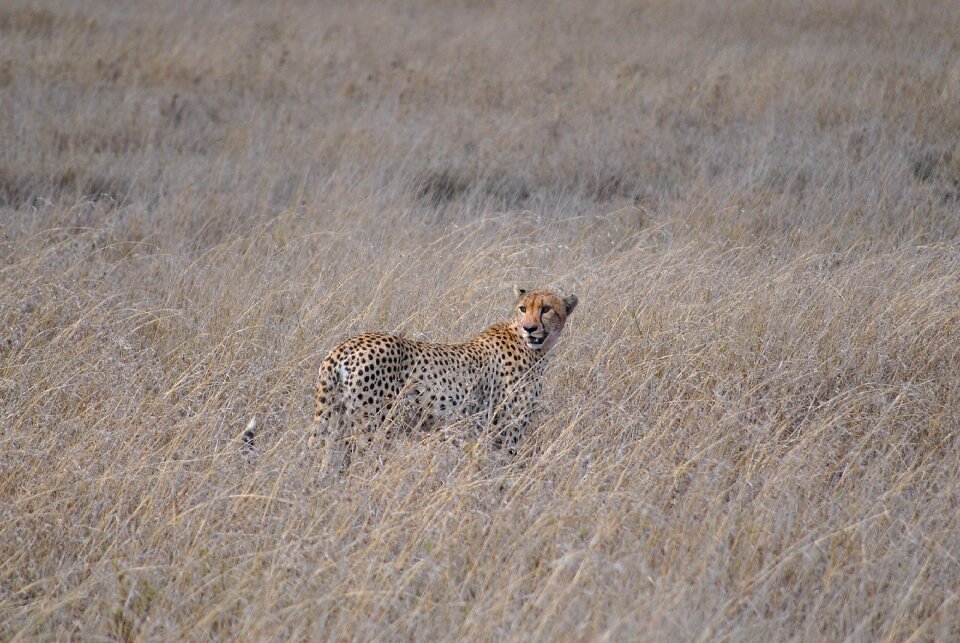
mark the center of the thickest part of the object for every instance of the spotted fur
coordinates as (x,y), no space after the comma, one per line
(495,378)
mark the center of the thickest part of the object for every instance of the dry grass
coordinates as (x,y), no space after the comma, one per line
(750,432)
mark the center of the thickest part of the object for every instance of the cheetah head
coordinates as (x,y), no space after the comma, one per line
(540,316)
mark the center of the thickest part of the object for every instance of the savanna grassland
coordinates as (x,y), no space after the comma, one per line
(749,432)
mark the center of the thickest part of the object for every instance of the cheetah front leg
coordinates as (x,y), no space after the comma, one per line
(510,421)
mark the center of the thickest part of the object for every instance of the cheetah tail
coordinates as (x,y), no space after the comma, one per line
(249,433)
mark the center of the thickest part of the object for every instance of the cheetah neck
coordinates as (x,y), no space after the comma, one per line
(509,331)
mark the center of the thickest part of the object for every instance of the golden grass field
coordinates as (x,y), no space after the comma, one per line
(749,432)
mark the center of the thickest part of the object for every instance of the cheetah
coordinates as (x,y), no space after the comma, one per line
(495,378)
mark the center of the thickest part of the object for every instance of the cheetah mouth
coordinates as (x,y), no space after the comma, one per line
(536,342)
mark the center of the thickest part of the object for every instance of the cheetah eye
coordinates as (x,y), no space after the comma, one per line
(545,310)
(523,309)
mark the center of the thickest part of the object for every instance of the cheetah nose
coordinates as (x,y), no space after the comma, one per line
(530,329)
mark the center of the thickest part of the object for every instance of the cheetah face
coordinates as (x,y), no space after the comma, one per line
(540,316)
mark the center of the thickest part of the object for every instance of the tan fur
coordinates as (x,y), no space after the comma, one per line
(496,377)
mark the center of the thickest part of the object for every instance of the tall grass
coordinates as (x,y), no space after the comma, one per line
(750,430)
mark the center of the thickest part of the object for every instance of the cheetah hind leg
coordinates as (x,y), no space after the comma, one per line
(328,420)
(326,433)
(370,433)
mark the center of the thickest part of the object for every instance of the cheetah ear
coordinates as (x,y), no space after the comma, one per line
(518,292)
(571,302)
